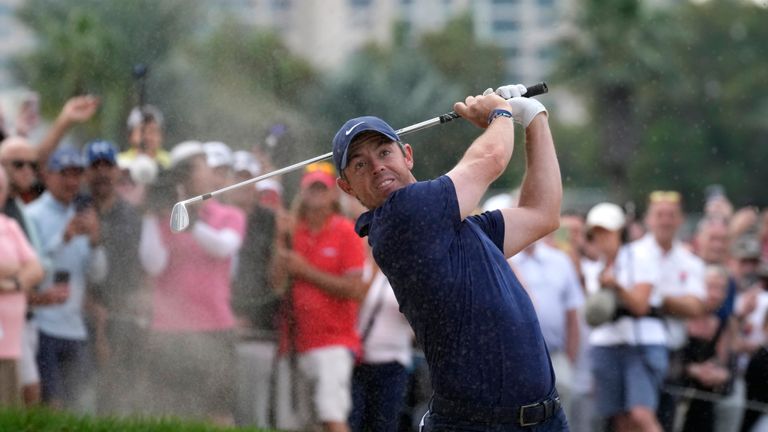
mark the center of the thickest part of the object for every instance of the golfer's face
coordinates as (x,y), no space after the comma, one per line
(376,167)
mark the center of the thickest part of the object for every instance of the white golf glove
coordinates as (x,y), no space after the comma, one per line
(523,109)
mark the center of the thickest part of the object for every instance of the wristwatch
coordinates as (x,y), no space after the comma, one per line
(498,113)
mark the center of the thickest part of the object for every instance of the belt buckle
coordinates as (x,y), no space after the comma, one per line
(522,416)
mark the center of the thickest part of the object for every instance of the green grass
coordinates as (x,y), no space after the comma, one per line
(42,420)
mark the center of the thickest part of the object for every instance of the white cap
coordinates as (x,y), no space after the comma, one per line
(502,200)
(245,161)
(269,184)
(186,150)
(606,215)
(217,154)
(137,115)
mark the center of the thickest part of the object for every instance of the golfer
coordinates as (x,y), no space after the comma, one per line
(488,362)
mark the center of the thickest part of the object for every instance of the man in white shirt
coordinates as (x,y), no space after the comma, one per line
(680,283)
(553,284)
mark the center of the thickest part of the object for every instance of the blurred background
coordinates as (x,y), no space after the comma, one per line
(643,93)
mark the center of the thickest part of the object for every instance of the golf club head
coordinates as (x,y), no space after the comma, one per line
(179,217)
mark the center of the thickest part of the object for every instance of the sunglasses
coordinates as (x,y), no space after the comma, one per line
(664,196)
(321,166)
(19,164)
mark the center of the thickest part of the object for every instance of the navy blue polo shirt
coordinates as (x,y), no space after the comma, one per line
(475,321)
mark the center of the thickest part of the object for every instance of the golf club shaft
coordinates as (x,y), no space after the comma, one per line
(533,90)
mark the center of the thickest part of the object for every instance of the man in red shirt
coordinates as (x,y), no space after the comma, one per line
(322,268)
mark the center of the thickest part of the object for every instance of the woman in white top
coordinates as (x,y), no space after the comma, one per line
(629,354)
(380,378)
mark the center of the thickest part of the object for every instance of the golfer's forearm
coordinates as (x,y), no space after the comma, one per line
(490,153)
(542,187)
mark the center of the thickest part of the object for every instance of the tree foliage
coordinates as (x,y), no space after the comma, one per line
(671,93)
(92,45)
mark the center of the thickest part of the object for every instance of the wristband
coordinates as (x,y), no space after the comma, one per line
(498,113)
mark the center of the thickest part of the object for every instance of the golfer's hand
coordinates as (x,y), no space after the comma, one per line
(523,109)
(477,108)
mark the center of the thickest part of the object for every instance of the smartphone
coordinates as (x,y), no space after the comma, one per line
(61,276)
(83,202)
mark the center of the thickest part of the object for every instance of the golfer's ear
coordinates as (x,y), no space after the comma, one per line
(408,153)
(344,185)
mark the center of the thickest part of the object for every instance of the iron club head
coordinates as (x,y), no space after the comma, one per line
(179,217)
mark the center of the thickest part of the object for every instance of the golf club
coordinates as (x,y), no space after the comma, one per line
(180,215)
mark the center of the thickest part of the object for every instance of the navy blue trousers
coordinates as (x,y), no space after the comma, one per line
(378,394)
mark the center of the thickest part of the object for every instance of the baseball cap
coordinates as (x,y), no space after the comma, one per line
(186,150)
(606,215)
(63,158)
(353,128)
(217,154)
(100,150)
(138,114)
(762,271)
(245,161)
(746,247)
(319,176)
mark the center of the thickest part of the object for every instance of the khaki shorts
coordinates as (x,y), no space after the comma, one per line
(323,388)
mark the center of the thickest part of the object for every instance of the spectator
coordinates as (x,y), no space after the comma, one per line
(20,271)
(717,205)
(712,242)
(756,375)
(71,241)
(745,257)
(380,377)
(552,282)
(192,340)
(324,261)
(145,136)
(20,160)
(145,156)
(680,284)
(581,416)
(244,167)
(118,334)
(629,355)
(706,356)
(762,233)
(220,159)
(78,109)
(252,296)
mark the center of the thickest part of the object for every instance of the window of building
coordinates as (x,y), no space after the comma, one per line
(360,3)
(506,25)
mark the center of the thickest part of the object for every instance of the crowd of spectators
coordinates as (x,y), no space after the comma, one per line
(652,324)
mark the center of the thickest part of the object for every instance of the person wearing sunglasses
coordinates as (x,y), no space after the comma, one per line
(20,160)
